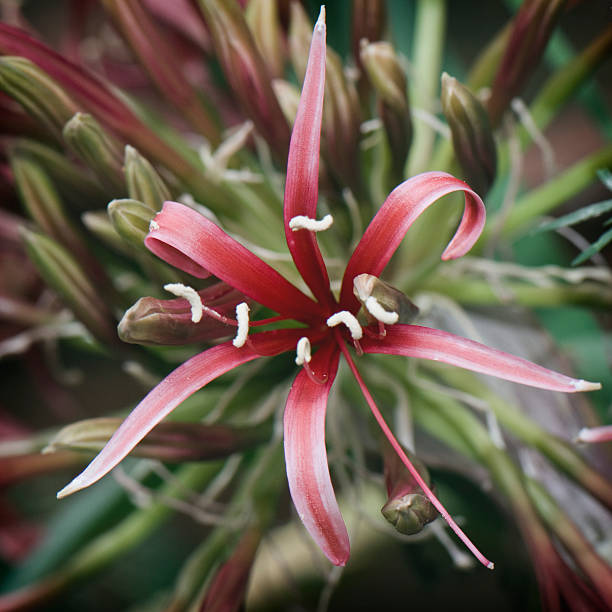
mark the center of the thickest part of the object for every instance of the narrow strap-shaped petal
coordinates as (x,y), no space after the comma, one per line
(302,185)
(189,241)
(170,392)
(401,208)
(306,457)
(437,345)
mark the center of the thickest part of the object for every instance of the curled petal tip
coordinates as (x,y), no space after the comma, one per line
(585,385)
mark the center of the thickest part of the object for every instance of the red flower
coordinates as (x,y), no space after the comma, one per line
(189,241)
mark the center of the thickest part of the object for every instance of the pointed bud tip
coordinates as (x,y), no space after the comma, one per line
(491,565)
(69,489)
(320,25)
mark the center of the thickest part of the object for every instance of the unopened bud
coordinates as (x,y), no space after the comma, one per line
(131,219)
(152,321)
(341,121)
(263,19)
(471,132)
(246,71)
(76,187)
(392,300)
(300,35)
(407,508)
(37,92)
(369,18)
(174,442)
(41,200)
(143,181)
(97,149)
(388,79)
(63,273)
(98,223)
(531,30)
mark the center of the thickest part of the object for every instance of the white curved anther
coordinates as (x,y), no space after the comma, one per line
(344,316)
(378,312)
(303,351)
(242,316)
(153,225)
(312,225)
(191,295)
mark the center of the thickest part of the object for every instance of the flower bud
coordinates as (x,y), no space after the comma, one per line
(407,507)
(98,150)
(152,321)
(174,442)
(42,202)
(76,187)
(369,18)
(263,19)
(387,77)
(131,219)
(300,35)
(390,298)
(471,133)
(341,122)
(531,30)
(98,223)
(65,275)
(143,181)
(159,57)
(37,92)
(246,71)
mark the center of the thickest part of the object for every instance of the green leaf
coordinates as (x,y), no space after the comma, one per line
(605,176)
(597,246)
(578,216)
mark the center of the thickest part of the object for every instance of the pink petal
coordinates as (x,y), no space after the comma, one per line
(302,185)
(189,241)
(401,208)
(437,345)
(176,387)
(306,457)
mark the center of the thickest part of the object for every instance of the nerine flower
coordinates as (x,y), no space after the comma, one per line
(330,328)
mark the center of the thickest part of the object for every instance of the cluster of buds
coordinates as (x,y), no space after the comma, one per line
(216,179)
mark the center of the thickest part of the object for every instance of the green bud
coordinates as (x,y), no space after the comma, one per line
(387,77)
(409,513)
(407,508)
(143,182)
(263,19)
(75,186)
(63,273)
(471,132)
(42,202)
(38,94)
(131,219)
(175,442)
(98,150)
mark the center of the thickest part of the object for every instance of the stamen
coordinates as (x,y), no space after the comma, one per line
(344,316)
(594,434)
(153,225)
(242,315)
(303,351)
(312,225)
(378,312)
(191,295)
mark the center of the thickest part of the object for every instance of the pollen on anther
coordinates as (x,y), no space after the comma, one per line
(374,307)
(312,225)
(242,316)
(303,351)
(191,295)
(344,316)
(153,225)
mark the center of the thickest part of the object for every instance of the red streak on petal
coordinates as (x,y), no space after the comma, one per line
(302,185)
(306,457)
(438,345)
